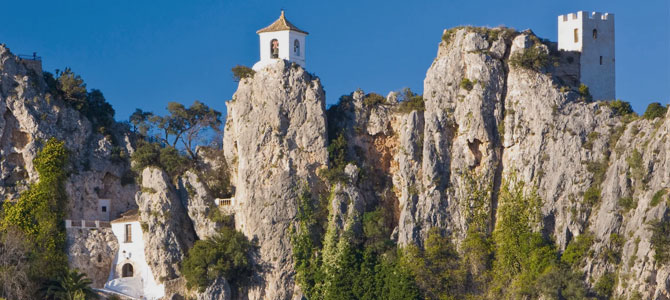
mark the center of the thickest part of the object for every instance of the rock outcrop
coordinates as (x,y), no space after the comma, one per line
(274,142)
(168,232)
(89,251)
(98,168)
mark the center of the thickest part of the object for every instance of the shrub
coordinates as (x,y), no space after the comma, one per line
(337,160)
(373,99)
(619,107)
(584,93)
(592,196)
(146,154)
(577,249)
(466,84)
(627,203)
(173,162)
(635,164)
(655,110)
(533,58)
(658,196)
(411,102)
(165,158)
(660,239)
(605,285)
(240,72)
(590,138)
(226,254)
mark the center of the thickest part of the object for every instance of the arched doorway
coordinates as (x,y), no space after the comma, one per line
(127,270)
(274,48)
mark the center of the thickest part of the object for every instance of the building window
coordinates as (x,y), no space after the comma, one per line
(576,35)
(104,209)
(296,47)
(274,48)
(595,34)
(601,60)
(129,236)
(127,270)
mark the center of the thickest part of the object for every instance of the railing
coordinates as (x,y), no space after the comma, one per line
(224,201)
(30,57)
(87,224)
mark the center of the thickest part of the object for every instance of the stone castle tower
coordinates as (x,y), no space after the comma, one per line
(281,40)
(593,36)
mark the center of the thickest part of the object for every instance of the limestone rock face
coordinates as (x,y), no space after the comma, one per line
(218,290)
(90,250)
(168,232)
(513,121)
(199,204)
(30,115)
(274,142)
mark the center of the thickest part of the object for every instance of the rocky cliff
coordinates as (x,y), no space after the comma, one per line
(484,118)
(274,142)
(30,115)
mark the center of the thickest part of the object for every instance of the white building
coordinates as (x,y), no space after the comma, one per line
(130,274)
(593,36)
(281,40)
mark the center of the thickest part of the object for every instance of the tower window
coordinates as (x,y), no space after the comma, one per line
(601,60)
(595,34)
(296,47)
(576,35)
(129,235)
(274,48)
(103,209)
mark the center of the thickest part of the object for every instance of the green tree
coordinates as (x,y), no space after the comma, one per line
(73,89)
(72,285)
(226,254)
(187,126)
(522,256)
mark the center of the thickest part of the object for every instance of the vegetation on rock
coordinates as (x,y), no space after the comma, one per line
(226,254)
(72,285)
(240,72)
(534,58)
(411,102)
(38,216)
(655,110)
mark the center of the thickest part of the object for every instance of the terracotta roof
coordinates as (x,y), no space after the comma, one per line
(129,216)
(280,25)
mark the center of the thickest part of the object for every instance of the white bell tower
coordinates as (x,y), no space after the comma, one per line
(281,40)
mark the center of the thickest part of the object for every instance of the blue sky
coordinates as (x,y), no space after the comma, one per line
(143,54)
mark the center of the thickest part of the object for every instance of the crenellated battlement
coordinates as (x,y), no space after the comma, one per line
(581,15)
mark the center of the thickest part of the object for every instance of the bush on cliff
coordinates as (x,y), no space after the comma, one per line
(533,58)
(619,107)
(240,72)
(655,110)
(411,102)
(226,254)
